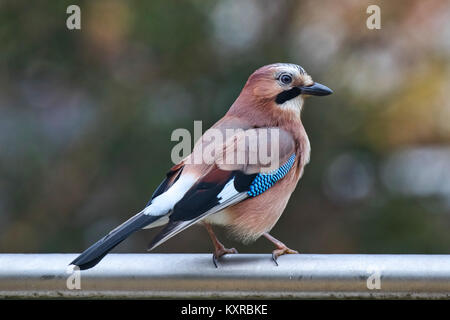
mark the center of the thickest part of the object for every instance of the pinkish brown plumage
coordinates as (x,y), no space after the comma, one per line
(233,185)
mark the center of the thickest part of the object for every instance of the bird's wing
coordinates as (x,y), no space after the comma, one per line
(171,177)
(229,182)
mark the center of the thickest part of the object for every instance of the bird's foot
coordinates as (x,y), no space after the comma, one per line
(221,252)
(281,251)
(281,248)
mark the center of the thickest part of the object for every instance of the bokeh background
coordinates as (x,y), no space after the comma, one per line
(86,117)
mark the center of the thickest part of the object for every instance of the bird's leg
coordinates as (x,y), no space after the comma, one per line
(219,249)
(281,248)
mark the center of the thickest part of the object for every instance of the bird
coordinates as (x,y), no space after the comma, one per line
(248,196)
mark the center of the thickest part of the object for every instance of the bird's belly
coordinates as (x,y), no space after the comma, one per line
(219,218)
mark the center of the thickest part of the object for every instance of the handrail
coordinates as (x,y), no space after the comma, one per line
(237,276)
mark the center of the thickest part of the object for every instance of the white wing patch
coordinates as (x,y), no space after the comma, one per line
(227,192)
(165,202)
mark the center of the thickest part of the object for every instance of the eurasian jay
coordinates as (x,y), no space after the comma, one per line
(236,189)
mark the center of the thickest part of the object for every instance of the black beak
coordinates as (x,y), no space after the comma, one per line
(316,89)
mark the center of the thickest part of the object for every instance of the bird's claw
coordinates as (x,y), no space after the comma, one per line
(222,252)
(274,258)
(281,251)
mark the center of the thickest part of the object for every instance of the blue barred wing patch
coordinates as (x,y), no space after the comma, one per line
(263,181)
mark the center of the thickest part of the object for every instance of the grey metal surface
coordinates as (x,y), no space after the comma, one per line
(242,275)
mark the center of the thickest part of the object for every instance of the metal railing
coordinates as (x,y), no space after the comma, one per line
(238,276)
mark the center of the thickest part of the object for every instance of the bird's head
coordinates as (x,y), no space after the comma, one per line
(283,86)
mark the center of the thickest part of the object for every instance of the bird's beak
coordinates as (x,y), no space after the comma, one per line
(316,89)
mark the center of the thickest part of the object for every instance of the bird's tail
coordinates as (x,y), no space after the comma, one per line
(91,256)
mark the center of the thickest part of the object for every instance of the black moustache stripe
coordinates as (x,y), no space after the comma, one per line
(288,95)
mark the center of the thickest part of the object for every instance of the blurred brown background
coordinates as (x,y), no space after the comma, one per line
(86,117)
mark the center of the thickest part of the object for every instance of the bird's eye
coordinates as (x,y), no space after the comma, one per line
(285,79)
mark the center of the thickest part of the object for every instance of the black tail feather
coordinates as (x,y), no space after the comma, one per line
(91,256)
(165,232)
